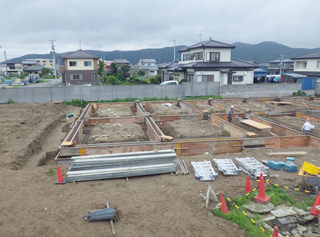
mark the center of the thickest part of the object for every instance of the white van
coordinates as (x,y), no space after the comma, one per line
(169,83)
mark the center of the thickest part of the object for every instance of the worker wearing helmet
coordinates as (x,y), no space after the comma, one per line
(230,114)
(307,126)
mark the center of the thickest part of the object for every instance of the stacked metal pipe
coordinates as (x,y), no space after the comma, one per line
(120,165)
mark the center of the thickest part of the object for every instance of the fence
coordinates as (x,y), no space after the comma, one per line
(96,93)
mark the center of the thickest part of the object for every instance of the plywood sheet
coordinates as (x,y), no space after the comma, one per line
(255,124)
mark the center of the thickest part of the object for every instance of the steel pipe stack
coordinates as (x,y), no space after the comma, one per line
(121,165)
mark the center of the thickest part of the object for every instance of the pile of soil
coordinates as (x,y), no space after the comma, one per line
(114,111)
(211,108)
(259,132)
(193,129)
(296,122)
(116,132)
(163,109)
(24,128)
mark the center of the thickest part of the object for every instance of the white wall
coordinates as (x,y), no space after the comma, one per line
(247,77)
(311,65)
(225,54)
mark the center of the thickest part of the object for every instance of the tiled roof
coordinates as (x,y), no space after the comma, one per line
(208,44)
(80,54)
(310,55)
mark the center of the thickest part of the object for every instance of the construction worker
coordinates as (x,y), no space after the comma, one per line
(230,114)
(307,126)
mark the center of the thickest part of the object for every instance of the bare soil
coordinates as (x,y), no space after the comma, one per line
(116,132)
(296,122)
(211,108)
(114,111)
(286,108)
(164,205)
(250,106)
(24,127)
(163,109)
(193,128)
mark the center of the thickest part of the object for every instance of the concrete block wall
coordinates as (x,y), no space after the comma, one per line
(97,93)
(259,90)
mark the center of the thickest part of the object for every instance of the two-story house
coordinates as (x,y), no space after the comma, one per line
(280,66)
(148,66)
(80,68)
(209,61)
(308,64)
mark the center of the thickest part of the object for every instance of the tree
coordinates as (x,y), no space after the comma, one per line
(113,80)
(155,79)
(141,73)
(45,71)
(114,68)
(101,68)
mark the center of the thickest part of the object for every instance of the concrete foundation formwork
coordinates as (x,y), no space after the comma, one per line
(281,136)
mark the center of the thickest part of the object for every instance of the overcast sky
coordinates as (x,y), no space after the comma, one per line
(26,26)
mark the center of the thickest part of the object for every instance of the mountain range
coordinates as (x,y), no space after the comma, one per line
(260,53)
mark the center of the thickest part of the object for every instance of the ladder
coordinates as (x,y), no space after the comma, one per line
(226,166)
(203,170)
(252,167)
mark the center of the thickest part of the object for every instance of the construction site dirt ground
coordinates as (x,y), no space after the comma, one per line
(164,205)
(114,111)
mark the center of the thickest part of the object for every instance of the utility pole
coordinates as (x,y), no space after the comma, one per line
(52,42)
(5,60)
(174,50)
(281,64)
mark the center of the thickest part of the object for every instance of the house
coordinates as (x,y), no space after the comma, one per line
(34,71)
(148,66)
(308,64)
(12,68)
(121,62)
(280,66)
(80,68)
(209,61)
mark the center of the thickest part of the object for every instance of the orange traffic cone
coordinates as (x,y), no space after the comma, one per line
(314,211)
(275,232)
(223,206)
(261,197)
(248,185)
(60,179)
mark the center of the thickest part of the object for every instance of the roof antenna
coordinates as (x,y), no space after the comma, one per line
(80,43)
(200,36)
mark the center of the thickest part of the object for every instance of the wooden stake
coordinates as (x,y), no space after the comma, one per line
(111,222)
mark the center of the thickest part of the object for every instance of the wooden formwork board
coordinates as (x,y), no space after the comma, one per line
(193,147)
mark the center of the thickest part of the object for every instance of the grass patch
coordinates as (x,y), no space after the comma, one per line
(83,103)
(238,218)
(10,101)
(51,172)
(277,197)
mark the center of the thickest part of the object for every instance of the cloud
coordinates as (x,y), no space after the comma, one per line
(27,26)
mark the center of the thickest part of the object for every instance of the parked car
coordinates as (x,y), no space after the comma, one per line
(169,83)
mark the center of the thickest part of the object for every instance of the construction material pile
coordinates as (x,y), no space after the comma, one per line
(203,170)
(121,165)
(252,167)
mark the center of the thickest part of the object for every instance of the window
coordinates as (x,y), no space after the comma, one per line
(237,78)
(189,77)
(193,56)
(318,64)
(214,56)
(72,63)
(87,63)
(93,77)
(301,64)
(75,77)
(207,78)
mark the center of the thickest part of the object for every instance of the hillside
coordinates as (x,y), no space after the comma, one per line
(260,53)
